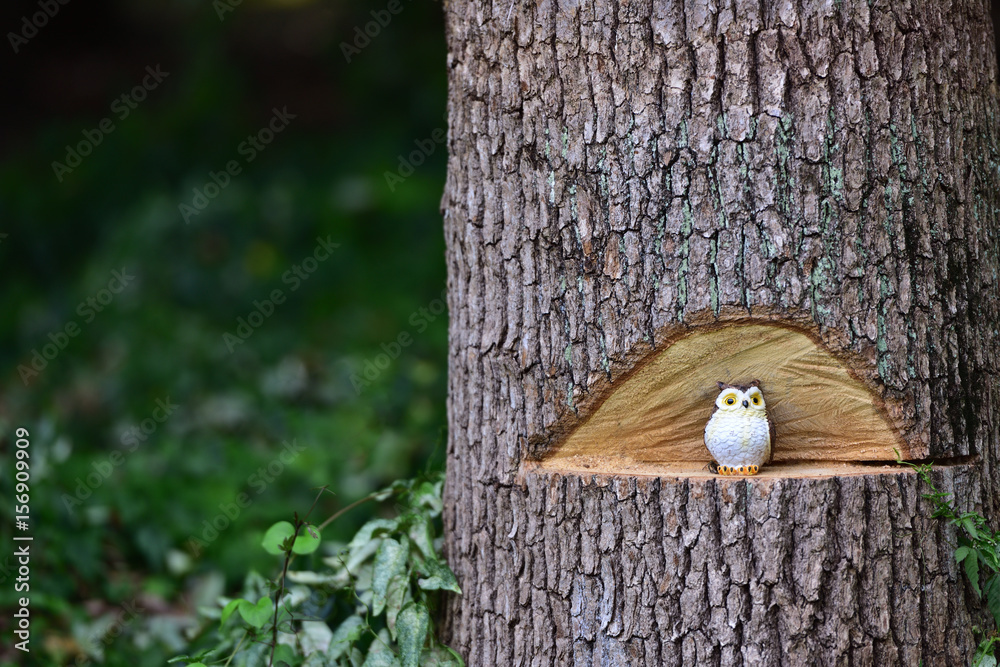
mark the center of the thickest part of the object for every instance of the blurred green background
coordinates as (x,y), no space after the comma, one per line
(113,509)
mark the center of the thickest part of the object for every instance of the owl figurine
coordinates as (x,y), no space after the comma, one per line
(740,434)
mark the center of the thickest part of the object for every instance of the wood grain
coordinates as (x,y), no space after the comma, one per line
(658,413)
(626,466)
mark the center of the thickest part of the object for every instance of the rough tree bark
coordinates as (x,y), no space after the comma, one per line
(623,174)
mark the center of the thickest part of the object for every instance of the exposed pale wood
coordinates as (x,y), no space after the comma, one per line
(658,413)
(624,466)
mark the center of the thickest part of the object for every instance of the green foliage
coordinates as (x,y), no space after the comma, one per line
(277,536)
(979,553)
(371,606)
(985,656)
(129,537)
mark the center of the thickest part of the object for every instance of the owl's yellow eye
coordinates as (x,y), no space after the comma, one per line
(756,400)
(731,400)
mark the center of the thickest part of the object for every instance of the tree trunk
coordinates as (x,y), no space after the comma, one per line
(630,180)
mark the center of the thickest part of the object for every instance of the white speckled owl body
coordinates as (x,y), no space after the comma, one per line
(739,433)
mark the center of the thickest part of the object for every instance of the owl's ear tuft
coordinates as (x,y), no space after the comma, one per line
(722,385)
(754,383)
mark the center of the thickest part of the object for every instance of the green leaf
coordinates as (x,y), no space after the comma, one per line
(381,659)
(984,655)
(285,653)
(439,578)
(277,536)
(399,486)
(257,614)
(456,658)
(427,495)
(344,637)
(992,589)
(314,579)
(254,586)
(390,561)
(314,637)
(972,571)
(285,617)
(195,659)
(379,653)
(307,541)
(440,656)
(368,531)
(318,660)
(346,565)
(422,534)
(228,610)
(411,626)
(970,527)
(274,538)
(961,553)
(397,597)
(989,557)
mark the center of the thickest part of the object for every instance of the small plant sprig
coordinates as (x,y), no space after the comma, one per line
(977,551)
(384,584)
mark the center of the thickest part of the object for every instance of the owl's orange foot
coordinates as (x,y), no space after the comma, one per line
(739,470)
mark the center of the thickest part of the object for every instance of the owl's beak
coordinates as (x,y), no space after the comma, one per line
(746,404)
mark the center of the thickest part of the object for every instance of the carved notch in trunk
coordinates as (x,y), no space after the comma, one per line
(654,419)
